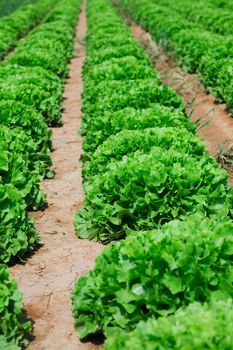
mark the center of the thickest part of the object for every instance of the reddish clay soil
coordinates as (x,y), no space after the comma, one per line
(220,127)
(48,276)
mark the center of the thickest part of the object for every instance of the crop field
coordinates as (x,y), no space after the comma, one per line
(9,6)
(116,173)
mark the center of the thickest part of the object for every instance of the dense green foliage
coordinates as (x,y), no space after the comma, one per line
(189,328)
(16,114)
(14,328)
(20,22)
(110,123)
(20,165)
(146,190)
(9,6)
(128,67)
(155,273)
(17,233)
(118,94)
(32,95)
(215,20)
(193,33)
(127,142)
(38,62)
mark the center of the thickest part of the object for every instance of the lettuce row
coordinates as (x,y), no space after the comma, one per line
(193,34)
(148,179)
(30,100)
(50,45)
(203,15)
(39,63)
(14,328)
(20,22)
(120,165)
(174,332)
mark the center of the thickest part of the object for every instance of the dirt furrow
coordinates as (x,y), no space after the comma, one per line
(203,104)
(48,276)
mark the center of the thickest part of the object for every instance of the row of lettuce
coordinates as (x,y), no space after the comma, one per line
(31,90)
(9,6)
(148,182)
(200,40)
(215,20)
(20,22)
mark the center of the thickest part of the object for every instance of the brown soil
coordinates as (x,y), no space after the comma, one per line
(220,127)
(48,276)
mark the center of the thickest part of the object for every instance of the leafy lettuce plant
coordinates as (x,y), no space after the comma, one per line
(34,96)
(216,74)
(207,326)
(19,165)
(159,20)
(14,328)
(205,15)
(18,235)
(191,45)
(127,142)
(154,273)
(129,118)
(115,95)
(51,45)
(48,59)
(45,79)
(109,40)
(144,191)
(125,68)
(17,115)
(58,31)
(108,53)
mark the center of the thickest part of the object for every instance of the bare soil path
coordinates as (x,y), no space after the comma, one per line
(48,276)
(220,127)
